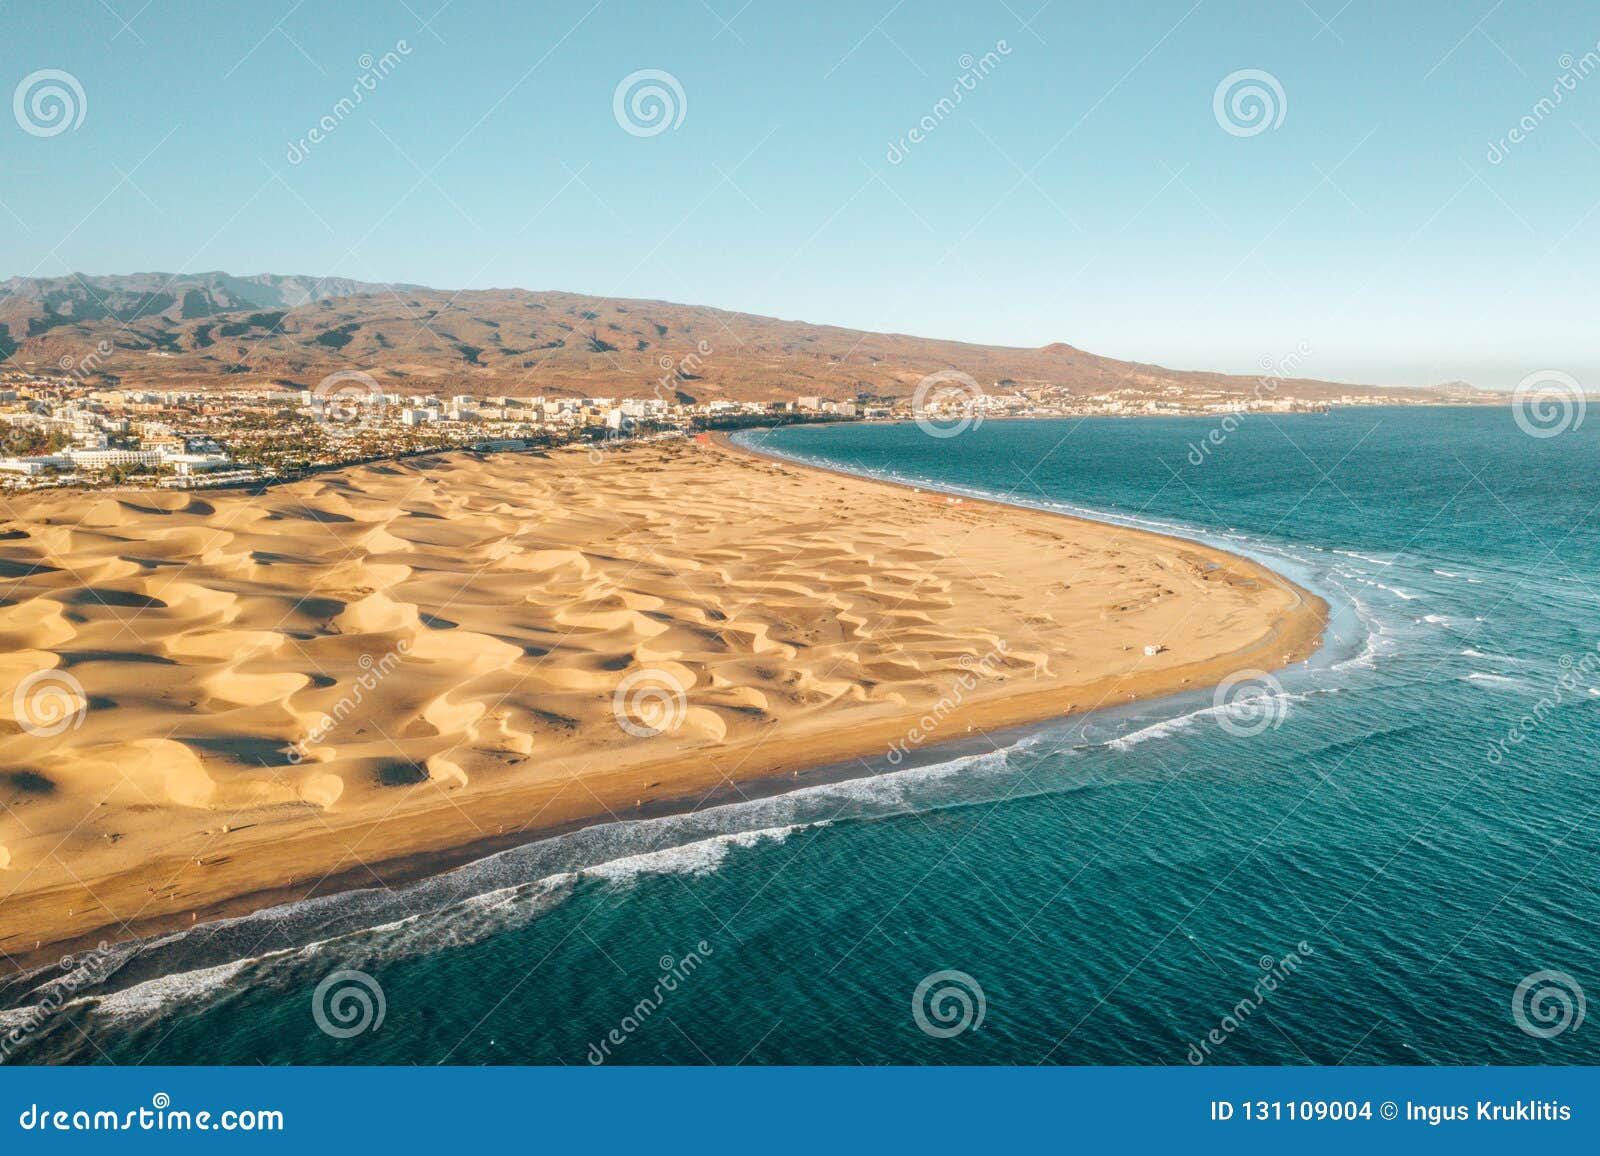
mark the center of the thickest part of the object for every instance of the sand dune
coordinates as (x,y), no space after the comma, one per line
(229,701)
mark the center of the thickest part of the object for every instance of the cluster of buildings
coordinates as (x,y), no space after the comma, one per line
(556,413)
(56,431)
(64,431)
(50,432)
(1132,401)
(184,459)
(356,414)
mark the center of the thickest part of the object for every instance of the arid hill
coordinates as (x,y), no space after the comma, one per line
(213,329)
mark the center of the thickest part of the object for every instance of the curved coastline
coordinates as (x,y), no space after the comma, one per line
(1294,572)
(1294,636)
(1307,600)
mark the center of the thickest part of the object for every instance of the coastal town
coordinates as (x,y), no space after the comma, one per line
(61,430)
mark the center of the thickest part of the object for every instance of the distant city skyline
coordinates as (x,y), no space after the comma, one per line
(1410,194)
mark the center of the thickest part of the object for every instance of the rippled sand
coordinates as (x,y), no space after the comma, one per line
(213,702)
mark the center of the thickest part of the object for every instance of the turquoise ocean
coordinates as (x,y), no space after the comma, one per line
(1391,855)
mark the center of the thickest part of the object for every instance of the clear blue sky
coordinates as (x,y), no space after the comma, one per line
(1082,191)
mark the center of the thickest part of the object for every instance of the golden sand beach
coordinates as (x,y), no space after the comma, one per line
(215,702)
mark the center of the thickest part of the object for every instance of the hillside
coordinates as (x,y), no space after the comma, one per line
(213,329)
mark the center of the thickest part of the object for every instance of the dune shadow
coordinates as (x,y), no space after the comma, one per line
(117,599)
(243,748)
(316,514)
(401,774)
(10,569)
(28,783)
(71,658)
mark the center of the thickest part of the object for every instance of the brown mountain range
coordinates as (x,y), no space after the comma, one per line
(213,330)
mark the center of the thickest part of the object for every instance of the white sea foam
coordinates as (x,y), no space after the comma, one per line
(1451,621)
(1395,590)
(448,912)
(467,921)
(1365,558)
(1492,679)
(1472,652)
(1365,659)
(700,858)
(151,996)
(1158,730)
(1376,637)
(1169,726)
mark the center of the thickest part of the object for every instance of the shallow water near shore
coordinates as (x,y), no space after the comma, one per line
(1116,885)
